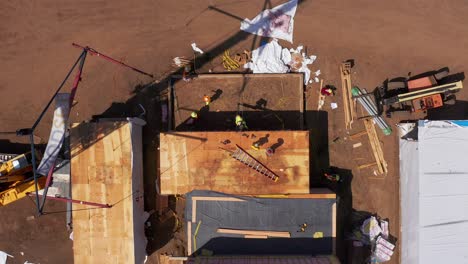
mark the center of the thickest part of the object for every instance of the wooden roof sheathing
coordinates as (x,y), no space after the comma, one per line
(199,161)
(101,169)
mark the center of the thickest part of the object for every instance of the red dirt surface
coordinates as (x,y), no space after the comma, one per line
(385,38)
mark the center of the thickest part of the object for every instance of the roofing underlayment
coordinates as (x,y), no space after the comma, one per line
(265,101)
(106,168)
(434,194)
(207,212)
(201,161)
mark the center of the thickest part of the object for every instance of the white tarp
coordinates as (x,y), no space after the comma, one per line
(434,194)
(272,58)
(57,133)
(269,58)
(277,22)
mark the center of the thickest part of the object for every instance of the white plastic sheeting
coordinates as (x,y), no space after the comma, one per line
(272,58)
(434,194)
(269,58)
(277,22)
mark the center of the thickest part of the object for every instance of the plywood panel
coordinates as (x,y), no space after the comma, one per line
(101,172)
(199,161)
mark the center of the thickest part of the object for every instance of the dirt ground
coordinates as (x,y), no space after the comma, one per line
(385,38)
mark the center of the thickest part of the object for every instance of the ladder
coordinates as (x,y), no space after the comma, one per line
(241,155)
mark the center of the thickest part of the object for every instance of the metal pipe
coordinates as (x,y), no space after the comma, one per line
(371,108)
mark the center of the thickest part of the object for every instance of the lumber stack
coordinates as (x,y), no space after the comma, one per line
(376,147)
(348,102)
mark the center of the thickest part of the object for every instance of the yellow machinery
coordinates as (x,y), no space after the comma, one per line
(13,173)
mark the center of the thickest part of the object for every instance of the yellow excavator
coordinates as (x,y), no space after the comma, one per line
(16,178)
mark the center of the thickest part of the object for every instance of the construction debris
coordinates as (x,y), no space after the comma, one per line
(196,49)
(181,62)
(299,61)
(4,256)
(376,147)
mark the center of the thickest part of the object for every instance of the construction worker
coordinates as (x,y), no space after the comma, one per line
(193,117)
(328,90)
(207,99)
(334,177)
(269,152)
(240,123)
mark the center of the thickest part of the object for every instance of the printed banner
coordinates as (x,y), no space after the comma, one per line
(57,133)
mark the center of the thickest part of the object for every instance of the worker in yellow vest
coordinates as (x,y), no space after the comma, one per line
(240,123)
(193,117)
(207,99)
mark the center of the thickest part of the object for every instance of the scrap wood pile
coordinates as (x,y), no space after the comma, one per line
(350,95)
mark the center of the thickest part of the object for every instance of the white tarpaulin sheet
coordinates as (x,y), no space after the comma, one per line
(277,22)
(269,58)
(57,133)
(434,194)
(272,58)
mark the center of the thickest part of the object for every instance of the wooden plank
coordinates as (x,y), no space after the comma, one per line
(297,196)
(334,228)
(220,198)
(254,232)
(194,210)
(357,135)
(367,165)
(376,147)
(189,238)
(345,98)
(255,237)
(348,102)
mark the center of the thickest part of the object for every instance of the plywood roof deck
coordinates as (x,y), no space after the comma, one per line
(102,173)
(281,94)
(199,161)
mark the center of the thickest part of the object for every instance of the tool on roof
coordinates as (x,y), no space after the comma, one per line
(241,155)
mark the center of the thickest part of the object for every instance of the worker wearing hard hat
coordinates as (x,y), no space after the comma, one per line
(207,99)
(240,123)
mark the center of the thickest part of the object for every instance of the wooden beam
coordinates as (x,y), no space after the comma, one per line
(255,237)
(376,147)
(214,198)
(189,238)
(178,258)
(348,102)
(357,135)
(194,210)
(298,196)
(334,228)
(254,232)
(363,166)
